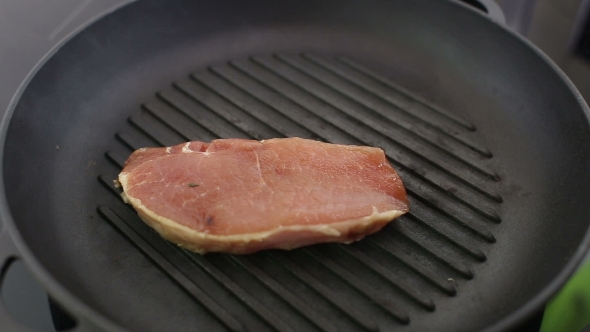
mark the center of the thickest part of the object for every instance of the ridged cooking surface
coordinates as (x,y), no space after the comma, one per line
(384,281)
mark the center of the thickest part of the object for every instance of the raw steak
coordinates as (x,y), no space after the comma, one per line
(240,196)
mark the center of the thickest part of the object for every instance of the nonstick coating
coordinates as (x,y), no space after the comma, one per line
(531,124)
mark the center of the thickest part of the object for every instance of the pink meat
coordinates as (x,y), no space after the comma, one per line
(241,196)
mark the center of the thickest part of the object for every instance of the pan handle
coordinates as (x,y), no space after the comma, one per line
(8,254)
(494,11)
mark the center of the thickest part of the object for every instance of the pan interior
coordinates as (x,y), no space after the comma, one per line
(490,142)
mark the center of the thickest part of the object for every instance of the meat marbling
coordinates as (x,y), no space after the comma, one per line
(241,196)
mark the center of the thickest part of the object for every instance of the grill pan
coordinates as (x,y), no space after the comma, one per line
(490,138)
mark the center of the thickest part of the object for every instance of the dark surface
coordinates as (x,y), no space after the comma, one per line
(28,30)
(582,45)
(70,113)
(27,305)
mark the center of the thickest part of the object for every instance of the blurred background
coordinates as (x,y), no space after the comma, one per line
(561,28)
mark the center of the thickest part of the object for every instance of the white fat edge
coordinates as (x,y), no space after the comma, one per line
(186,148)
(202,242)
(124,197)
(122,180)
(158,222)
(168,149)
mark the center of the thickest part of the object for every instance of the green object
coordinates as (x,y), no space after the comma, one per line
(569,311)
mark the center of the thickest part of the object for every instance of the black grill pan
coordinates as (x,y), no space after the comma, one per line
(490,139)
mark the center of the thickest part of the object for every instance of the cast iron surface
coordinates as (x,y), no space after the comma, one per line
(393,278)
(488,138)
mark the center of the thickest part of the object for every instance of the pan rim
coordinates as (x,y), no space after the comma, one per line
(84,314)
(529,308)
